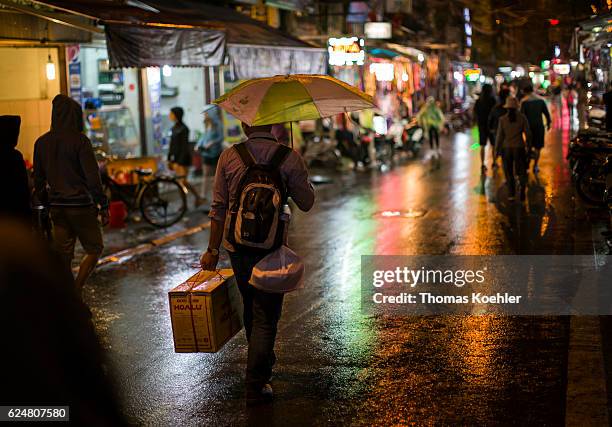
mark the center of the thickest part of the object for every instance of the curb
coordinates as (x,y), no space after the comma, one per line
(125,254)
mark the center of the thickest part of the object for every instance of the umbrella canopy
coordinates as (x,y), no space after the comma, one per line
(292,98)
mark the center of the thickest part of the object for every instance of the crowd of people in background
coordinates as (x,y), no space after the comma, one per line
(513,124)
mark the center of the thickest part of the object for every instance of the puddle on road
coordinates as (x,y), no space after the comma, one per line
(410,213)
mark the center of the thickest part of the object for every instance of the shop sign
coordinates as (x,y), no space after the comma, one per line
(73,59)
(561,69)
(472,74)
(377,30)
(346,51)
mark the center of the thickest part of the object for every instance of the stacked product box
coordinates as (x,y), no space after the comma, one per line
(206,311)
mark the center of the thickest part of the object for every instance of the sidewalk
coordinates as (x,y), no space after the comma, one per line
(136,234)
(139,237)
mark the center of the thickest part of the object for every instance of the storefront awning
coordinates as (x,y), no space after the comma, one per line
(189,33)
(136,46)
(249,61)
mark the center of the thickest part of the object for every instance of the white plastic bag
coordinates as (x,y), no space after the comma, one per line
(281,271)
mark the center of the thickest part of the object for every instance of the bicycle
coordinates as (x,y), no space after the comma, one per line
(161,200)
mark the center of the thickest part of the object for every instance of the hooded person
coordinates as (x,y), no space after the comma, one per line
(67,179)
(15,197)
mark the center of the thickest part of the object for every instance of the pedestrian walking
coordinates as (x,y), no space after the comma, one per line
(15,196)
(431,119)
(581,105)
(493,122)
(513,137)
(482,109)
(67,179)
(179,154)
(533,107)
(210,146)
(262,310)
(572,96)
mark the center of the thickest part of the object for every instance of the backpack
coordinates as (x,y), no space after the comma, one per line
(255,216)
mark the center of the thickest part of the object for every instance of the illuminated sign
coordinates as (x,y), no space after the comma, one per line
(472,74)
(346,51)
(377,30)
(561,68)
(545,65)
(383,71)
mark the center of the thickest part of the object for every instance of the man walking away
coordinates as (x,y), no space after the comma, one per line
(262,310)
(66,177)
(482,109)
(533,107)
(15,196)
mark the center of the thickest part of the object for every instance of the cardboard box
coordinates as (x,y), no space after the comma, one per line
(206,311)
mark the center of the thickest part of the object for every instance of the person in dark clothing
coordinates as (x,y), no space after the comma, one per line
(513,137)
(533,107)
(15,197)
(179,154)
(493,122)
(67,178)
(482,109)
(50,355)
(262,310)
(607,99)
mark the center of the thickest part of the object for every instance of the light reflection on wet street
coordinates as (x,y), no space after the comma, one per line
(337,365)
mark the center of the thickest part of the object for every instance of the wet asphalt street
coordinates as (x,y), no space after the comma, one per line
(337,366)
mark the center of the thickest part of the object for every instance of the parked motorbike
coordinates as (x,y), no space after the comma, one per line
(589,156)
(321,152)
(412,138)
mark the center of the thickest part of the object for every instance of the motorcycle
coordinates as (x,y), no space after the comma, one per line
(412,138)
(589,156)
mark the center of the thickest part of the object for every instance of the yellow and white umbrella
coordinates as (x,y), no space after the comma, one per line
(292,98)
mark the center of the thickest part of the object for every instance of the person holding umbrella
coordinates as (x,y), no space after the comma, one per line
(282,173)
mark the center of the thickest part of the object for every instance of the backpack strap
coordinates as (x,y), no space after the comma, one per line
(280,155)
(245,154)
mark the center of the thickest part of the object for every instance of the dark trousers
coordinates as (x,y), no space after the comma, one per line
(515,163)
(434,134)
(262,311)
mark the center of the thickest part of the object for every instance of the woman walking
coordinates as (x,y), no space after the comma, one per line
(210,147)
(513,138)
(179,154)
(493,122)
(431,119)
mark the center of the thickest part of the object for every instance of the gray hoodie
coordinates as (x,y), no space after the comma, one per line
(65,168)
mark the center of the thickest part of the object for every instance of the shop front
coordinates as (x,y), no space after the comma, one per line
(33,69)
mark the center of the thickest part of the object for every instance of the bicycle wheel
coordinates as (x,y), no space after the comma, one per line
(163,202)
